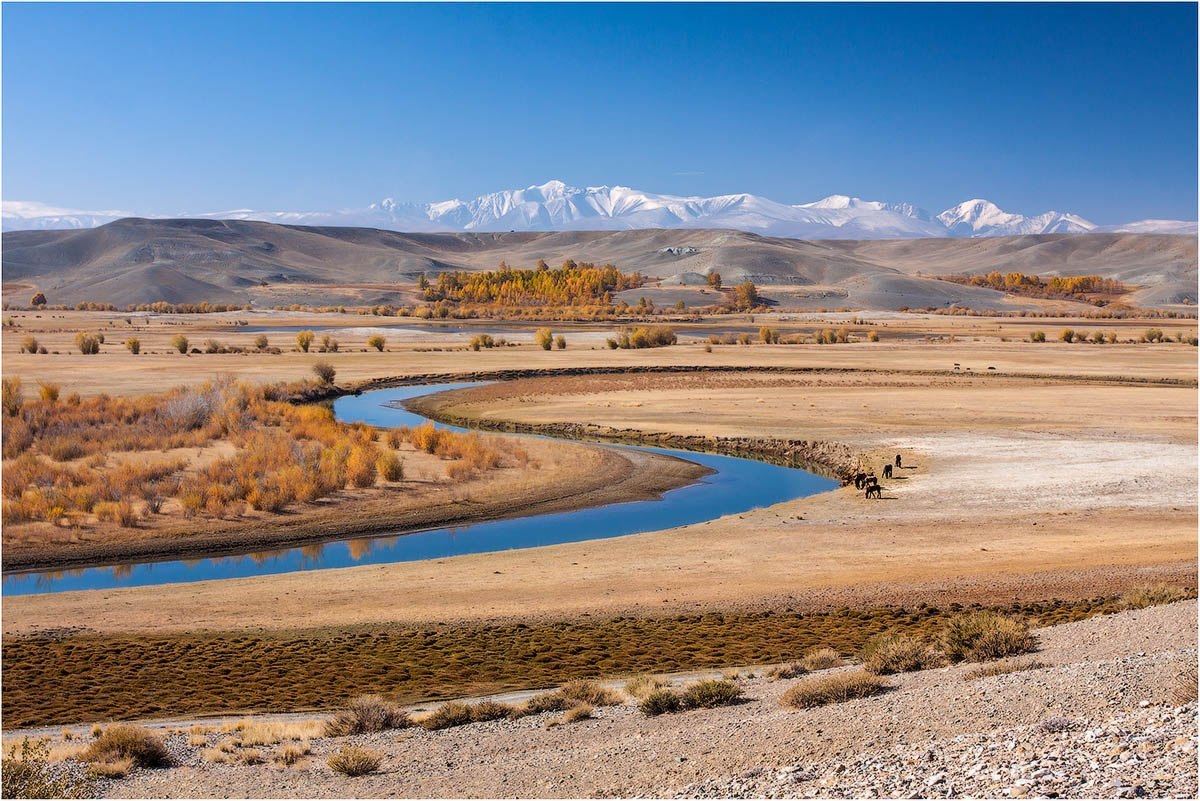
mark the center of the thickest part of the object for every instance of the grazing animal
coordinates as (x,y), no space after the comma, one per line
(875,490)
(897,460)
(887,471)
(871,481)
(859,478)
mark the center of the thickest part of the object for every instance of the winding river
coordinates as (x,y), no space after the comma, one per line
(737,485)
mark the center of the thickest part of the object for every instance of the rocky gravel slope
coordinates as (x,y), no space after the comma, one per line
(1100,718)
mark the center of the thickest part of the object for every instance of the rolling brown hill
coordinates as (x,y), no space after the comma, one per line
(187,260)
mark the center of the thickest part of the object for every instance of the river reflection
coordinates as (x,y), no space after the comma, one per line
(736,485)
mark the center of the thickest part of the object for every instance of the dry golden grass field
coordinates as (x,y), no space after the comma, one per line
(1032,471)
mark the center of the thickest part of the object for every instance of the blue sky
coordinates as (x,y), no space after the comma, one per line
(193,108)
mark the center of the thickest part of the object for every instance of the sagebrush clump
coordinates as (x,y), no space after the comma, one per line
(895,652)
(832,688)
(144,747)
(982,635)
(590,692)
(367,713)
(352,760)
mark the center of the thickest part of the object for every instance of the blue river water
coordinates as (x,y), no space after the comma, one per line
(737,486)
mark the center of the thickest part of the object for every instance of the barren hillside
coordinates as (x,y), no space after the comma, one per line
(137,261)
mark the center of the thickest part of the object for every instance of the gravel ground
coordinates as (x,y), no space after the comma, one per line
(1097,720)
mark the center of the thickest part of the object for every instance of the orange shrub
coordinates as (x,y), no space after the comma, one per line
(360,467)
(390,466)
(120,512)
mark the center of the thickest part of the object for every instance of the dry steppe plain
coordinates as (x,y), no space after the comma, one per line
(1032,471)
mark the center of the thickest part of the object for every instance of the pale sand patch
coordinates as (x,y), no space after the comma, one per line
(1046,471)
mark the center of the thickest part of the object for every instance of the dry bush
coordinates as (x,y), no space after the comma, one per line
(367,713)
(324,372)
(304,340)
(660,702)
(134,345)
(88,344)
(491,710)
(180,343)
(215,756)
(292,753)
(590,692)
(833,688)
(252,756)
(360,466)
(355,761)
(27,773)
(47,392)
(116,769)
(983,635)
(1153,595)
(787,670)
(655,336)
(577,713)
(120,512)
(643,685)
(377,342)
(143,746)
(708,693)
(822,659)
(894,652)
(544,338)
(1002,667)
(390,466)
(10,396)
(546,702)
(448,715)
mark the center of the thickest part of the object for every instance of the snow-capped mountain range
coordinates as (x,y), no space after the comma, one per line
(555,206)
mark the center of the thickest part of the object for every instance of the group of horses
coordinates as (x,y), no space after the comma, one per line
(870,482)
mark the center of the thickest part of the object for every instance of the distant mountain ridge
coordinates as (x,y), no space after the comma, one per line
(556,206)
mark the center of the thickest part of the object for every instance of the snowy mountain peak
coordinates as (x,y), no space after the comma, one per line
(834,202)
(979,217)
(558,206)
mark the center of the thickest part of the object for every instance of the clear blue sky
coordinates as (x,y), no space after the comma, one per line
(192,108)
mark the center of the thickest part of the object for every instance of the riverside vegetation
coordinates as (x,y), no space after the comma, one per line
(215,451)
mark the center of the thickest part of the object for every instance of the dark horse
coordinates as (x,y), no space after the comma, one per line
(897,460)
(887,471)
(875,490)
